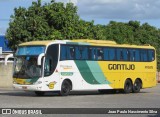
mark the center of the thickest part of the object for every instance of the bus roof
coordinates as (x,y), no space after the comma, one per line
(109,43)
(95,41)
(30,43)
(85,42)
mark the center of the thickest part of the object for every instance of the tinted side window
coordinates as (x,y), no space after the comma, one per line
(92,53)
(119,54)
(70,52)
(137,55)
(67,52)
(100,53)
(51,59)
(106,53)
(81,52)
(143,55)
(109,54)
(125,54)
(151,55)
(63,52)
(112,54)
(131,54)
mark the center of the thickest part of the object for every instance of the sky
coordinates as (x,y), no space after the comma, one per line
(101,11)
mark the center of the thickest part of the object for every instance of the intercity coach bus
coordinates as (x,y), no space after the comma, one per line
(70,65)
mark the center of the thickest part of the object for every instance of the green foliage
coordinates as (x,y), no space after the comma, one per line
(56,20)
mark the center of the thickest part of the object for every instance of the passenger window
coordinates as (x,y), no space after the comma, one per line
(63,52)
(125,54)
(92,53)
(112,55)
(106,54)
(67,52)
(84,53)
(71,52)
(137,55)
(109,54)
(143,55)
(81,53)
(131,54)
(151,55)
(78,53)
(119,54)
(99,53)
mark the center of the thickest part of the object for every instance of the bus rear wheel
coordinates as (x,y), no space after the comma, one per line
(65,88)
(128,86)
(137,86)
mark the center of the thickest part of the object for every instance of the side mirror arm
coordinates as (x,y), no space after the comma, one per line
(40,58)
(7,57)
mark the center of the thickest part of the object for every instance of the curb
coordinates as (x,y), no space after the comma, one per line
(6,89)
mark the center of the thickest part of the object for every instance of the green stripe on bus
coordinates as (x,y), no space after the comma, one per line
(33,80)
(67,73)
(86,72)
(97,72)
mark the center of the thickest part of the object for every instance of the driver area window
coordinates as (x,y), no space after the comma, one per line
(51,59)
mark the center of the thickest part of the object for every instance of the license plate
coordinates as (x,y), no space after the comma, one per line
(24,88)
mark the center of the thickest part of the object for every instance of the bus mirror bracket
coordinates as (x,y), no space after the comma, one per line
(7,57)
(40,58)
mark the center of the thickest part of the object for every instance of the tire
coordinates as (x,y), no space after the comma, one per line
(137,86)
(128,86)
(65,88)
(39,93)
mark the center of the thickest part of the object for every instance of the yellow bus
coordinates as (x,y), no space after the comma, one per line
(71,65)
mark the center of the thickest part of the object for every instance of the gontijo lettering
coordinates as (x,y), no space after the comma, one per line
(121,66)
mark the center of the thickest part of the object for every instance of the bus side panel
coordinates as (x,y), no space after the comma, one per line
(51,83)
(118,72)
(148,69)
(86,75)
(68,70)
(83,75)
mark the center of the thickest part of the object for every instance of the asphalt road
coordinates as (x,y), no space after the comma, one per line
(147,98)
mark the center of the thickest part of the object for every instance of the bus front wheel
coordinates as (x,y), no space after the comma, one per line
(137,86)
(128,86)
(65,88)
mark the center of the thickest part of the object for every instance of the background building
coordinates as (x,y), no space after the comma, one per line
(4,44)
(4,49)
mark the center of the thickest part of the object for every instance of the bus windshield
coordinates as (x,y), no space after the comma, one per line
(26,67)
(30,50)
(26,62)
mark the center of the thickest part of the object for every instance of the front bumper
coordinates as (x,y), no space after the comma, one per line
(28,87)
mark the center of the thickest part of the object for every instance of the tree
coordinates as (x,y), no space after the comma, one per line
(119,32)
(56,20)
(27,25)
(47,22)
